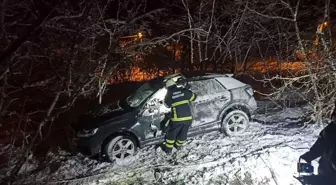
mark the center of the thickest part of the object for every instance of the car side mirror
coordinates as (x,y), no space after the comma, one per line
(161,102)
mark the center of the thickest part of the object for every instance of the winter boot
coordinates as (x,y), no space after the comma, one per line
(178,148)
(165,149)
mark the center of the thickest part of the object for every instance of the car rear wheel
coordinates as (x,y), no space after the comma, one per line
(235,123)
(121,150)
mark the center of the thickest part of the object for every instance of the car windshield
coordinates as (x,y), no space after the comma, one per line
(141,94)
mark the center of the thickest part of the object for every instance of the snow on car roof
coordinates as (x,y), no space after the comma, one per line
(230,83)
(192,74)
(197,75)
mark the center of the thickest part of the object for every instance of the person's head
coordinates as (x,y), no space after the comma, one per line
(181,83)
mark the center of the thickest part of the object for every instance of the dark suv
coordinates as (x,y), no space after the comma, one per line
(223,103)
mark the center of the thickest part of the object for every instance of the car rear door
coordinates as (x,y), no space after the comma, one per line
(211,99)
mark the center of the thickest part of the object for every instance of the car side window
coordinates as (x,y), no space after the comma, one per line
(156,101)
(206,87)
(157,97)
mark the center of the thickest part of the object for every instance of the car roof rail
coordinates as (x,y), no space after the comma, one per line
(219,75)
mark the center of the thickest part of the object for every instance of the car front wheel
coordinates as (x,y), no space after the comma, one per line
(235,123)
(121,150)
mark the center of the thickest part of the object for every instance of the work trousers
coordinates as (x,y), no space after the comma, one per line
(176,134)
(317,180)
(325,168)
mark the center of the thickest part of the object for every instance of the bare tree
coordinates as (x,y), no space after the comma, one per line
(214,33)
(65,50)
(316,82)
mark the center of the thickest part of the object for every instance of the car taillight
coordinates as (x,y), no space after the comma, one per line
(250,91)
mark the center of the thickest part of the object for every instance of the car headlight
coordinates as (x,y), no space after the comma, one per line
(87,133)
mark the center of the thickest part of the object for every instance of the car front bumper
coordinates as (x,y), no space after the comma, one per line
(253,107)
(88,146)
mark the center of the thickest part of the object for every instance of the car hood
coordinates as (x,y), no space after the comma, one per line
(114,116)
(107,117)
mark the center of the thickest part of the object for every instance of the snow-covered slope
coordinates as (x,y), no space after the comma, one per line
(267,154)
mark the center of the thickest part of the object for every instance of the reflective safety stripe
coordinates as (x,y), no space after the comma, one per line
(181,119)
(179,143)
(180,103)
(169,145)
(192,97)
(175,118)
(174,113)
(170,141)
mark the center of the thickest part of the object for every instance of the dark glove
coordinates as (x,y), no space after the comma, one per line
(306,157)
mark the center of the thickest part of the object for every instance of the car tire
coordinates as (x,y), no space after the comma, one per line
(235,123)
(121,150)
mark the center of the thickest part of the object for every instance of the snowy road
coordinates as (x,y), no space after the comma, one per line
(267,154)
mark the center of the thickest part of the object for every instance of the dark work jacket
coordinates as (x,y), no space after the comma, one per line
(178,99)
(324,147)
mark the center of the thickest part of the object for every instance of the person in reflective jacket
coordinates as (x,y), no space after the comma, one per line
(178,98)
(325,147)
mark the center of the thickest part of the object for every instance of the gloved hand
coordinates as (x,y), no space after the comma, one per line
(306,158)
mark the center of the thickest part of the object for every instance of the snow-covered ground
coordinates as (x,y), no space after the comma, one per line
(265,155)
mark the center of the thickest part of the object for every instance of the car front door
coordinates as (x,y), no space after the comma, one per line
(211,99)
(153,113)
